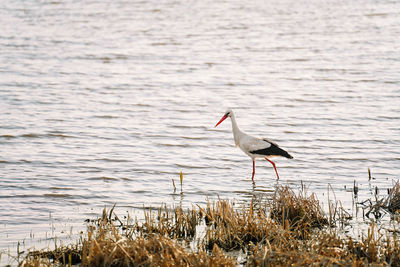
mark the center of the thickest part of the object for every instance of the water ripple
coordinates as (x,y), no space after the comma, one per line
(105,103)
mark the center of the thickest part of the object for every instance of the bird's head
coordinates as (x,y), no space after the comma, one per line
(227,114)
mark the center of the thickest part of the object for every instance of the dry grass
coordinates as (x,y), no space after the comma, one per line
(178,223)
(65,255)
(290,230)
(154,250)
(393,199)
(328,249)
(233,229)
(324,250)
(156,244)
(377,207)
(302,212)
(106,245)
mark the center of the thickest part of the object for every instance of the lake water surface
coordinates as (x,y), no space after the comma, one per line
(105,102)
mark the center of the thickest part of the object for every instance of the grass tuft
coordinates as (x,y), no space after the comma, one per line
(393,199)
(178,223)
(300,212)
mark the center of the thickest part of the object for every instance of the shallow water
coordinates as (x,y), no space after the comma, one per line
(105,103)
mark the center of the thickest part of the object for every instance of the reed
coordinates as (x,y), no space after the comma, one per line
(393,200)
(290,229)
(379,206)
(299,211)
(177,223)
(154,250)
(106,245)
(233,229)
(68,255)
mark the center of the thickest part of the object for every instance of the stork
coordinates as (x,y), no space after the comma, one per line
(254,147)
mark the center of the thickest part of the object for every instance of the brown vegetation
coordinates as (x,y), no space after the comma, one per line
(291,229)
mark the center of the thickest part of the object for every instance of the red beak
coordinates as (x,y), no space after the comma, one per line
(222,119)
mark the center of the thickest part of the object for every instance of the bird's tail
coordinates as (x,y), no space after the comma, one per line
(287,155)
(283,153)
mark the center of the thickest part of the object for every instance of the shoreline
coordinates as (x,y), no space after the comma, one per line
(272,232)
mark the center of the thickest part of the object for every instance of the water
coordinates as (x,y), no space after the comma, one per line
(105,102)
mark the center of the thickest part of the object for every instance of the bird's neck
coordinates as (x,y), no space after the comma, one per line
(237,133)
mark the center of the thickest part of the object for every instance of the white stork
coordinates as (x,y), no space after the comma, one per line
(254,147)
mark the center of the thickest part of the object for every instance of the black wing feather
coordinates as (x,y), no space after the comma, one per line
(273,150)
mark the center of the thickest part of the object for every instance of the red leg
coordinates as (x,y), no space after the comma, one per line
(273,164)
(254,171)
